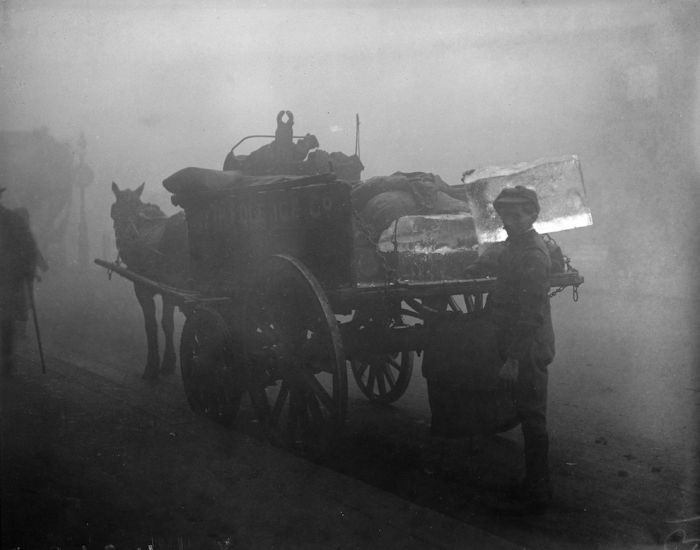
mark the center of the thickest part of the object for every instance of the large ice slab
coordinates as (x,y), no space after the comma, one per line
(558,183)
(436,233)
(431,247)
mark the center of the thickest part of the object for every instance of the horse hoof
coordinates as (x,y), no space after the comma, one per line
(167,369)
(150,376)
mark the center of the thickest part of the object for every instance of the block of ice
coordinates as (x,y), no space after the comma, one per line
(430,247)
(438,233)
(558,183)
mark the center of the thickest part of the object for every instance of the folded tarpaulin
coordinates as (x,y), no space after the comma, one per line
(384,208)
(424,187)
(382,199)
(194,184)
(345,167)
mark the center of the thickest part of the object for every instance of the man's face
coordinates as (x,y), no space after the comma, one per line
(516,218)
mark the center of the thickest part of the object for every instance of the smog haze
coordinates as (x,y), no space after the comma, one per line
(132,92)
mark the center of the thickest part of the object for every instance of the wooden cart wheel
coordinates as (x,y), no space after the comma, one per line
(384,378)
(298,377)
(213,375)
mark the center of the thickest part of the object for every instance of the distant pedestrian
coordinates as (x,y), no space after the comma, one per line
(41,262)
(18,262)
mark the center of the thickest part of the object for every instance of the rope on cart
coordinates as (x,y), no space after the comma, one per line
(368,232)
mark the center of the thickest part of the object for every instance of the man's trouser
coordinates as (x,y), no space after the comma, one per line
(7,337)
(530,396)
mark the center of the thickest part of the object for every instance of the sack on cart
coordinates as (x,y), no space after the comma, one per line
(461,367)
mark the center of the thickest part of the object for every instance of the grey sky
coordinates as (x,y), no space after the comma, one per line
(439,87)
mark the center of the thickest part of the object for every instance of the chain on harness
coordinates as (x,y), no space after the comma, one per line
(568,268)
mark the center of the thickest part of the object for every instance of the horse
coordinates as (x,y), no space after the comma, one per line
(153,245)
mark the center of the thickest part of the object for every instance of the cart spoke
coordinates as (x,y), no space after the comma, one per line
(317,388)
(361,370)
(315,411)
(388,374)
(295,417)
(381,386)
(454,305)
(393,362)
(372,379)
(258,397)
(280,401)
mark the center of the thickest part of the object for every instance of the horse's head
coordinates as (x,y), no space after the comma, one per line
(126,208)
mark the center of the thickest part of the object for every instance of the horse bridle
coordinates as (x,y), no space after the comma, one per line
(129,235)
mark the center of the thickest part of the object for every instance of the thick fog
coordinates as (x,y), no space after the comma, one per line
(438,88)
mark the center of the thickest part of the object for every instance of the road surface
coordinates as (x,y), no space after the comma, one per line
(624,390)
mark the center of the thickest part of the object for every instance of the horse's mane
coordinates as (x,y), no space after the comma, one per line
(151,211)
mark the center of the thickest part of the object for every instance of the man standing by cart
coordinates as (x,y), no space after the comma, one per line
(525,338)
(18,259)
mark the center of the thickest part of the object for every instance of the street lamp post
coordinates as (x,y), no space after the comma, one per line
(83,177)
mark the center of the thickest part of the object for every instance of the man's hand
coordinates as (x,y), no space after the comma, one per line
(509,373)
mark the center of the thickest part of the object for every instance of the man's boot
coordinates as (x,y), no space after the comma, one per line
(537,487)
(533,494)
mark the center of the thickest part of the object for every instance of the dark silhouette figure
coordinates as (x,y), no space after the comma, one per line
(284,134)
(154,246)
(281,156)
(18,261)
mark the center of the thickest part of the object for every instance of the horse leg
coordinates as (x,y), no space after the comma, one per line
(168,324)
(148,306)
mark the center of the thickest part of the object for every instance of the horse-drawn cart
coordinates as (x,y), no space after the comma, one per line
(276,310)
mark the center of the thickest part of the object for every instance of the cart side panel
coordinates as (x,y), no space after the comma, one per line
(232,234)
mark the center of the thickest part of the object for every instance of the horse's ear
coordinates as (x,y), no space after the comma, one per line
(139,189)
(115,188)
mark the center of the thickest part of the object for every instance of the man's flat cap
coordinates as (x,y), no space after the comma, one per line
(516,195)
